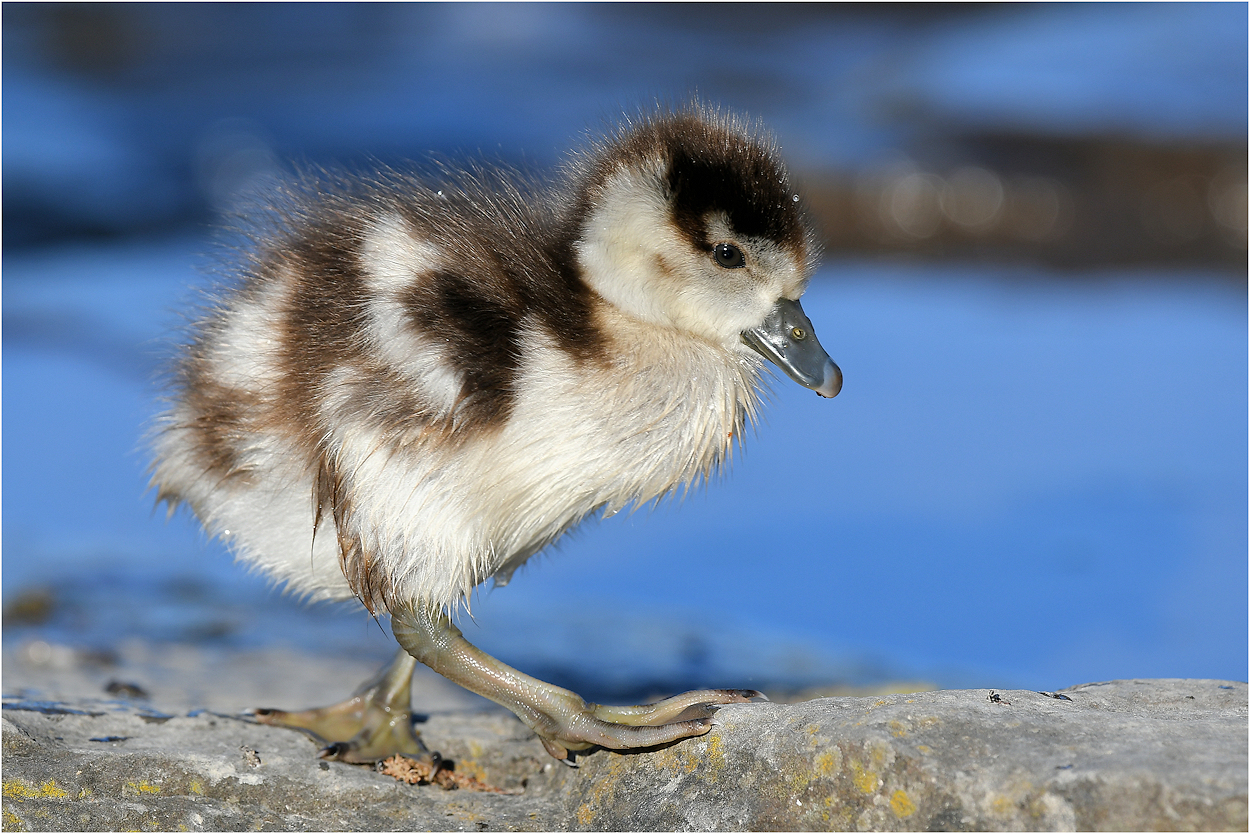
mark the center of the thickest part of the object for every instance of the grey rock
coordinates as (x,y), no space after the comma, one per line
(1127,755)
(1124,755)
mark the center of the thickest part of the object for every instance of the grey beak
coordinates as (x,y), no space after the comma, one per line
(787,340)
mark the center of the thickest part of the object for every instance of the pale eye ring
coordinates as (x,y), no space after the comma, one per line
(728,256)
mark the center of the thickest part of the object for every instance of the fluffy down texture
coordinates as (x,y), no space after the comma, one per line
(412,385)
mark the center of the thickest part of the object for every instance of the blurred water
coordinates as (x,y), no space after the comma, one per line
(120,117)
(1030,478)
(1164,71)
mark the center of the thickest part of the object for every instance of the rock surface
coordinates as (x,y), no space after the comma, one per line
(1127,755)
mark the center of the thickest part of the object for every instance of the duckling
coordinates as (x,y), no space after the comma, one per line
(414,385)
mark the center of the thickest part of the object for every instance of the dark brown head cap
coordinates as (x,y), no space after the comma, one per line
(712,162)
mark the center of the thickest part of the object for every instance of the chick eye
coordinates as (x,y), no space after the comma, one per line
(728,255)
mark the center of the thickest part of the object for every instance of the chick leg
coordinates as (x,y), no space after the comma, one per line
(561,718)
(373,724)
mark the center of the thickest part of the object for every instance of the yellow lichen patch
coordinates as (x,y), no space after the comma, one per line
(603,790)
(144,786)
(901,805)
(585,815)
(897,729)
(12,822)
(16,789)
(84,793)
(866,780)
(676,760)
(829,763)
(924,748)
(796,782)
(715,756)
(797,774)
(197,787)
(706,757)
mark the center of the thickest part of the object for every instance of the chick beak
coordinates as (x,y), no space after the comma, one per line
(787,340)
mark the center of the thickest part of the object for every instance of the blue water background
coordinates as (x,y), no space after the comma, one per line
(1030,479)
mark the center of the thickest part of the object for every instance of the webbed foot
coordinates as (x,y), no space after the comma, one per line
(562,720)
(570,724)
(374,724)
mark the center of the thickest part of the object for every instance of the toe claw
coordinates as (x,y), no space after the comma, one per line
(556,749)
(333,751)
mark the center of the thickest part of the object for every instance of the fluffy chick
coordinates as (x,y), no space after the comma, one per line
(416,384)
